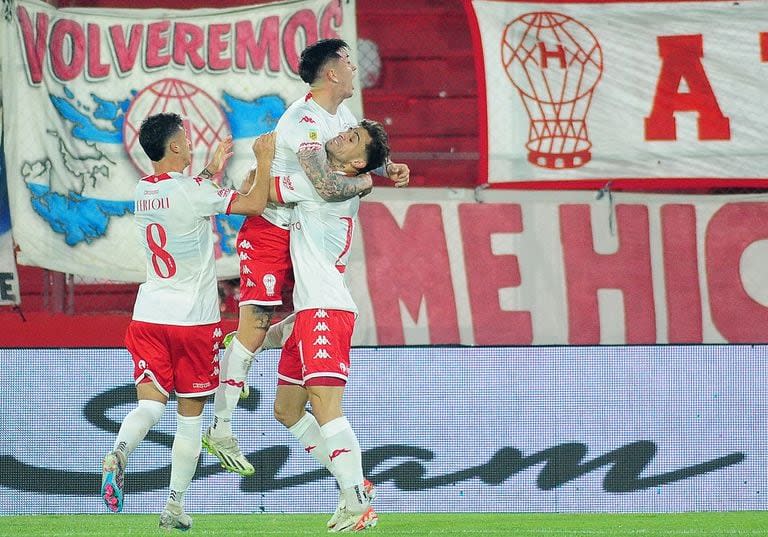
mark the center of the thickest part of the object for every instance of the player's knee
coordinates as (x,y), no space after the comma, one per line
(286,414)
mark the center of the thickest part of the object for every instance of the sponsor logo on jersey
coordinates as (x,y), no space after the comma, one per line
(322,354)
(287,182)
(307,119)
(321,327)
(310,146)
(322,340)
(201,384)
(223,192)
(343,367)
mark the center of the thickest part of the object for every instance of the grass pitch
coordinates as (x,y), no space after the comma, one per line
(743,523)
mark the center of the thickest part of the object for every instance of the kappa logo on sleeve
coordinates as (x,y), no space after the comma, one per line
(307,119)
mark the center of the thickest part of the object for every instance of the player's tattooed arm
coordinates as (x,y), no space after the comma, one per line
(330,185)
(259,316)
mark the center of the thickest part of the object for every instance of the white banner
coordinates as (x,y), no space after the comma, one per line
(547,268)
(9,278)
(624,89)
(563,429)
(78,82)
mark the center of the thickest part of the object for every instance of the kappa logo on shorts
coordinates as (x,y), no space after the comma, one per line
(321,327)
(142,364)
(249,283)
(322,340)
(321,314)
(246,270)
(322,354)
(217,332)
(244,257)
(245,245)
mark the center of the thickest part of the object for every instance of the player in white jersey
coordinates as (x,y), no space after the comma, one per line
(174,335)
(314,364)
(266,274)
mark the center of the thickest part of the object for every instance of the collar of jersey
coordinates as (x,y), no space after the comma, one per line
(156,178)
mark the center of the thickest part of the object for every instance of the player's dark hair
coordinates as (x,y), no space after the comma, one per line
(377,151)
(315,56)
(155,131)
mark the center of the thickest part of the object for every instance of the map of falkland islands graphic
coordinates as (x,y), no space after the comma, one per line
(76,203)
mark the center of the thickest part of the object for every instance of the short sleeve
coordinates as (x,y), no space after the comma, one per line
(207,198)
(295,188)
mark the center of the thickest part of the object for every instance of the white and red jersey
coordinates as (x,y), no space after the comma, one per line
(172,212)
(304,124)
(321,236)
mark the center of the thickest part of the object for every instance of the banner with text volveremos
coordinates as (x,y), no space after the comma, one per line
(606,90)
(562,429)
(78,82)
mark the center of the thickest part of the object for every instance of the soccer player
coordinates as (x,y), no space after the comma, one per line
(174,334)
(314,364)
(263,242)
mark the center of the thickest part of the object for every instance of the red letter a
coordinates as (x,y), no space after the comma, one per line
(681,59)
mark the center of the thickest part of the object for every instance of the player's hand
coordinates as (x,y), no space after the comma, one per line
(399,173)
(264,147)
(220,156)
(365,192)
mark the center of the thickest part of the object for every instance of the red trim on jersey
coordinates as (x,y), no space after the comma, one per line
(231,200)
(156,178)
(277,190)
(347,243)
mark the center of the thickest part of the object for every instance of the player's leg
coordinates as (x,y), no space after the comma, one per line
(152,374)
(219,439)
(324,338)
(195,378)
(184,457)
(265,269)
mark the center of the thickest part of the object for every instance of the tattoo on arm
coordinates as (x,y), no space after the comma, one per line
(331,186)
(205,174)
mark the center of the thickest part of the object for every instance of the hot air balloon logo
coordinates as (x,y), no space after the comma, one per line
(555,62)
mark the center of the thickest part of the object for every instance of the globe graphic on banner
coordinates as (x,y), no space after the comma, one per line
(204,120)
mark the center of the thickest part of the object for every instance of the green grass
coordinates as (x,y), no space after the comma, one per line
(743,523)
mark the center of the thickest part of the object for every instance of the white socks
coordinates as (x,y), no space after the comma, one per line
(234,369)
(184,455)
(137,424)
(347,461)
(307,431)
